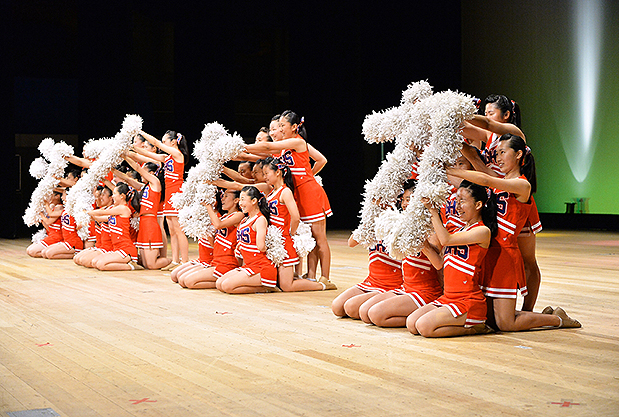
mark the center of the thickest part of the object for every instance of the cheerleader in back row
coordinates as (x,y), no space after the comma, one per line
(224,259)
(503,268)
(258,273)
(176,155)
(421,283)
(501,116)
(285,215)
(149,240)
(311,198)
(461,310)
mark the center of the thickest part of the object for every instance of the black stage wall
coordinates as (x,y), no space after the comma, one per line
(74,70)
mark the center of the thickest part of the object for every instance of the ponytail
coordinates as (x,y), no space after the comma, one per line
(527,162)
(252,192)
(276,164)
(131,196)
(182,144)
(489,208)
(293,118)
(504,104)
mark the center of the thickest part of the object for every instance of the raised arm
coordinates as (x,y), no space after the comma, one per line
(80,162)
(235,176)
(479,235)
(131,181)
(152,179)
(158,157)
(233,220)
(473,157)
(518,186)
(319,159)
(170,150)
(496,127)
(297,144)
(141,159)
(433,253)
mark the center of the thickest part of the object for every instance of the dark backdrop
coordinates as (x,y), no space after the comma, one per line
(76,69)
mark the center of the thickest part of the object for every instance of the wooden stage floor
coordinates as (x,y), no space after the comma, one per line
(90,343)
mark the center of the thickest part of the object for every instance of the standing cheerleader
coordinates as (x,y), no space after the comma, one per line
(124,255)
(224,260)
(52,222)
(149,240)
(311,198)
(461,310)
(71,242)
(503,267)
(176,155)
(421,284)
(103,241)
(384,274)
(258,273)
(285,215)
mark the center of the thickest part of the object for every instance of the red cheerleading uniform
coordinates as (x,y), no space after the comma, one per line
(224,259)
(70,238)
(384,272)
(121,236)
(54,233)
(461,273)
(280,217)
(311,198)
(414,171)
(173,183)
(149,235)
(533,223)
(449,214)
(256,262)
(106,238)
(503,271)
(420,280)
(205,252)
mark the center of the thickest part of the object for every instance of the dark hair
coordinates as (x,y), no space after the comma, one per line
(253,192)
(76,172)
(251,164)
(151,167)
(131,195)
(527,163)
(276,118)
(488,210)
(264,129)
(276,164)
(106,190)
(139,137)
(293,118)
(134,174)
(504,104)
(182,143)
(160,174)
(237,194)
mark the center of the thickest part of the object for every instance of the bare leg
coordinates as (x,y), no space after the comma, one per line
(177,272)
(58,251)
(319,232)
(202,278)
(112,261)
(351,306)
(237,282)
(531,269)
(510,320)
(365,307)
(288,283)
(163,252)
(393,311)
(150,259)
(337,305)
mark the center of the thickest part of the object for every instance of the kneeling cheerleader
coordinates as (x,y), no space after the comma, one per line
(461,310)
(258,273)
(224,260)
(124,255)
(71,242)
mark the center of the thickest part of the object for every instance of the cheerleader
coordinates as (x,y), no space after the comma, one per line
(461,310)
(176,155)
(124,255)
(205,248)
(384,274)
(503,270)
(103,241)
(149,240)
(52,222)
(71,242)
(311,198)
(502,116)
(421,283)
(258,273)
(285,215)
(224,260)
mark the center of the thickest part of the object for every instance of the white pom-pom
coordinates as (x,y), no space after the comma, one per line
(39,235)
(135,223)
(38,168)
(274,240)
(303,241)
(318,179)
(45,147)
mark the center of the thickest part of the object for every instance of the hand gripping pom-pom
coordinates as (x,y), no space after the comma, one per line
(276,252)
(303,241)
